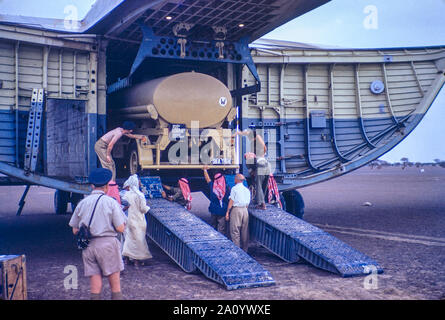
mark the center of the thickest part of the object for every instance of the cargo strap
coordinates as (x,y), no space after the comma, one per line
(33,131)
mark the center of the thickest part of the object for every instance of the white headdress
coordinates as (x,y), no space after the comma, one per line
(133,183)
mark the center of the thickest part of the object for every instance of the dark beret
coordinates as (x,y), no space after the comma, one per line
(100,177)
(128,125)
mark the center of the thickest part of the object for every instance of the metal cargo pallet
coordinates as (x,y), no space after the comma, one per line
(194,245)
(292,238)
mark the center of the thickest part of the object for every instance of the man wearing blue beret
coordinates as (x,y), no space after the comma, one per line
(102,257)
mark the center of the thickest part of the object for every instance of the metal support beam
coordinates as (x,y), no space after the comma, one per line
(22,200)
(344,57)
(92,110)
(332,109)
(307,130)
(41,180)
(388,98)
(359,107)
(46,50)
(269,83)
(17,46)
(74,74)
(102,87)
(282,115)
(44,38)
(413,67)
(60,71)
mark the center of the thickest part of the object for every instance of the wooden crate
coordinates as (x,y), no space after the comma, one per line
(13,277)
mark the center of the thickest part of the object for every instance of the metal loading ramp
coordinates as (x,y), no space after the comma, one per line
(195,245)
(293,239)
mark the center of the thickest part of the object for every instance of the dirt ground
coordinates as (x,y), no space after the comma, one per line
(402,227)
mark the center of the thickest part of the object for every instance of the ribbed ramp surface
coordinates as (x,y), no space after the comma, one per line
(292,238)
(194,245)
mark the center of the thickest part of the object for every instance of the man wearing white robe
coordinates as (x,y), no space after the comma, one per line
(135,244)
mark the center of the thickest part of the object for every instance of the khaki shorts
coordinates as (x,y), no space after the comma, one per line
(101,151)
(103,256)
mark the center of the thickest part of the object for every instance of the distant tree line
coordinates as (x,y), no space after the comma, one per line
(404,163)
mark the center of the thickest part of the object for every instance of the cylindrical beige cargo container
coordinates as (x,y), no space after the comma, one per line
(181,99)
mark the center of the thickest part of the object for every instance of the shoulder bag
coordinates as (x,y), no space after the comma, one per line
(84,235)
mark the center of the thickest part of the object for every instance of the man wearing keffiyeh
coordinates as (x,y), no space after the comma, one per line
(219,199)
(180,194)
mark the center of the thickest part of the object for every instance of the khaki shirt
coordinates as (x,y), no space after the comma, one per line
(107,217)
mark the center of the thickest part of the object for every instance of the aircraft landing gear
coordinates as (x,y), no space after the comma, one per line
(62,198)
(294,203)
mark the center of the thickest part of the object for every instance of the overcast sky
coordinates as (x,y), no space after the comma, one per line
(344,23)
(45,8)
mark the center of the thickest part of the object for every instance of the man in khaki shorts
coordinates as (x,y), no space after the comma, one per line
(237,213)
(102,257)
(105,144)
